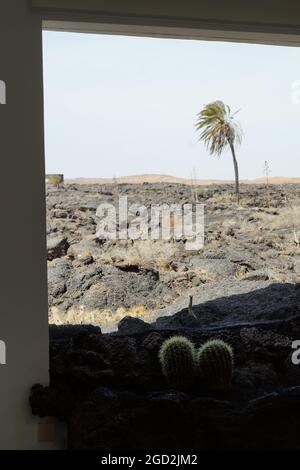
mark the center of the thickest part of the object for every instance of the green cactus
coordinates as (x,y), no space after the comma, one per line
(177,358)
(215,364)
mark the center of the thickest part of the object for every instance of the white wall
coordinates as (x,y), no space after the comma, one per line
(23,284)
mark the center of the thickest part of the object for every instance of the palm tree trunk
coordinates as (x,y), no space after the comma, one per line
(236,172)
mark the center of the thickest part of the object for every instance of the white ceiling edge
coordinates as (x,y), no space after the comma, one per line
(268,37)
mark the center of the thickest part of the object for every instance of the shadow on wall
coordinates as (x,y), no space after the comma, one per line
(111,391)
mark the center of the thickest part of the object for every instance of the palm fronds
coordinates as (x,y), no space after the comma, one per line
(217,127)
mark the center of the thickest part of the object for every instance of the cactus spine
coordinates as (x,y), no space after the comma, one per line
(215,364)
(177,358)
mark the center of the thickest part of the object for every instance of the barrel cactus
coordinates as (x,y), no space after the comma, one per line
(177,358)
(215,364)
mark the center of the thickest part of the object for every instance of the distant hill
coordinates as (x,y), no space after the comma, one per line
(152,178)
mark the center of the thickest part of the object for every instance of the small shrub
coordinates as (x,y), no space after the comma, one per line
(54,180)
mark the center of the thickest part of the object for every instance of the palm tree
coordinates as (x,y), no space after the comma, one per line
(218,129)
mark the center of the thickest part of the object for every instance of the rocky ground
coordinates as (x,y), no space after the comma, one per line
(107,383)
(249,254)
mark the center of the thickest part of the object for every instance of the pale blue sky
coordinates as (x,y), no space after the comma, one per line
(117,105)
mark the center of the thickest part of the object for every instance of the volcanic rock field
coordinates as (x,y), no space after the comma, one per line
(246,272)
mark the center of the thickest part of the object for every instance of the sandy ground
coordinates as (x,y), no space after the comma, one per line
(139,179)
